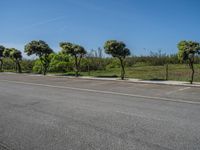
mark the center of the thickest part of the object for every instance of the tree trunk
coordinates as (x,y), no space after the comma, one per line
(88,69)
(1,66)
(167,72)
(44,70)
(122,68)
(19,67)
(16,67)
(192,75)
(45,67)
(79,63)
(76,67)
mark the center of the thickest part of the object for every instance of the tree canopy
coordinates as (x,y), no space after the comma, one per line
(74,50)
(116,49)
(15,55)
(119,50)
(7,52)
(187,49)
(40,49)
(186,53)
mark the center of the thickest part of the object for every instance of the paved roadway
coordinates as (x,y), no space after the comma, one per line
(52,113)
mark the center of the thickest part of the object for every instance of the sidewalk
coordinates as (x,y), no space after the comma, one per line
(130,80)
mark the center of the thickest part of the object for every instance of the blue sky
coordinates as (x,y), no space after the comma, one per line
(144,25)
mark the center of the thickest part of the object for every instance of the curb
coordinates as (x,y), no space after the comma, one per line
(128,80)
(137,81)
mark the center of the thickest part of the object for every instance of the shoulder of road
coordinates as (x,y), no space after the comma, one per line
(129,80)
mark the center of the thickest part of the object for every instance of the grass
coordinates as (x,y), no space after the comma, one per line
(178,72)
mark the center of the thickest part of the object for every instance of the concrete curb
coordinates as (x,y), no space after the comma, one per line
(171,83)
(138,81)
(128,80)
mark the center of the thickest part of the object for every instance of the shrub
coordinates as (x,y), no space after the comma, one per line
(37,68)
(27,65)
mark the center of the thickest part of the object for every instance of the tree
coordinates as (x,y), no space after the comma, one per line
(15,55)
(117,49)
(2,48)
(6,52)
(75,51)
(42,50)
(60,63)
(186,53)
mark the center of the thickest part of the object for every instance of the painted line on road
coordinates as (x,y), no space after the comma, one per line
(183,89)
(179,90)
(104,92)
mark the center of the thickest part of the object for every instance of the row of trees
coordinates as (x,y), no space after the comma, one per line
(12,53)
(188,53)
(42,50)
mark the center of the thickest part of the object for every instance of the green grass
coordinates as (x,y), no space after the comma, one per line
(180,72)
(177,72)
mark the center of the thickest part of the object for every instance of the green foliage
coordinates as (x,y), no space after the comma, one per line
(96,63)
(2,48)
(73,55)
(59,67)
(114,63)
(153,59)
(6,52)
(38,48)
(74,50)
(60,63)
(42,50)
(27,65)
(14,55)
(117,49)
(187,50)
(8,64)
(186,53)
(177,72)
(37,68)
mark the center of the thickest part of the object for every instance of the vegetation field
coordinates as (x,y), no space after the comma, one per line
(74,60)
(178,72)
(110,68)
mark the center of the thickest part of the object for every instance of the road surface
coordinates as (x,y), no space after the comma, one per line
(55,113)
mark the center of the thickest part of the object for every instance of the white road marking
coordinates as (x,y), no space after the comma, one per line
(179,90)
(104,92)
(184,88)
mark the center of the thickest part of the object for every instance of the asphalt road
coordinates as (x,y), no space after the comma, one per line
(52,113)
